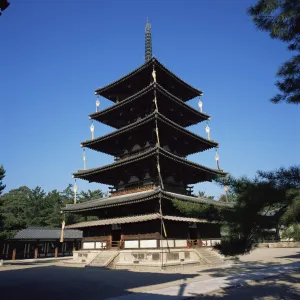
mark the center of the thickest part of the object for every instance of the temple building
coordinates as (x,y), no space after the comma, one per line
(150,145)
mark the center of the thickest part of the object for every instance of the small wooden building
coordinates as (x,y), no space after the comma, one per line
(37,242)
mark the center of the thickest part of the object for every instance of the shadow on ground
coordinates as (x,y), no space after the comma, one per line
(237,269)
(293,256)
(285,286)
(77,283)
(53,282)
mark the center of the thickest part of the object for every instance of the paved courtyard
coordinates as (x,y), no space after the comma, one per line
(55,281)
(285,286)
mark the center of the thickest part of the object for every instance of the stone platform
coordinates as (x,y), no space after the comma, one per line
(151,259)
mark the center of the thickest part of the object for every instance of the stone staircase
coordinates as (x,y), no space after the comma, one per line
(210,256)
(104,258)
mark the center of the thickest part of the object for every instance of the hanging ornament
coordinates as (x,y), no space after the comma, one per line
(75,191)
(155,101)
(207,129)
(92,128)
(200,104)
(97,104)
(158,167)
(217,157)
(154,74)
(84,159)
(157,135)
(226,192)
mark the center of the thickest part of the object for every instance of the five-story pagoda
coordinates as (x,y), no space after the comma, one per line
(150,144)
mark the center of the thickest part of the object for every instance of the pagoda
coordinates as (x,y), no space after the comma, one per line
(150,145)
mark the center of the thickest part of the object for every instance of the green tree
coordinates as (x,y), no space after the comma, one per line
(281,18)
(269,200)
(230,197)
(203,194)
(2,187)
(36,208)
(2,175)
(52,214)
(90,195)
(13,210)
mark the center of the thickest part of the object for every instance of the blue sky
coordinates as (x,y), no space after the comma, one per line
(54,54)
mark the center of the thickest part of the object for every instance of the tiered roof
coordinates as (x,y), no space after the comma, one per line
(169,164)
(107,202)
(138,79)
(186,141)
(170,106)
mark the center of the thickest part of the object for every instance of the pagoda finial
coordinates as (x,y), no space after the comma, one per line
(148,41)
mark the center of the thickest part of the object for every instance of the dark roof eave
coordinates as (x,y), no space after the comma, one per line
(196,91)
(144,91)
(138,197)
(145,154)
(140,68)
(150,117)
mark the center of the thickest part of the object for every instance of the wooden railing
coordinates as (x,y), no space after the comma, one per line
(203,242)
(133,190)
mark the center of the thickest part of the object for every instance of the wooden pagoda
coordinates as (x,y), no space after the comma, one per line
(150,145)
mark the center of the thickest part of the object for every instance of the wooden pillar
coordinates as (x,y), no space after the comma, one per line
(25,248)
(36,252)
(14,254)
(56,251)
(7,250)
(28,251)
(110,241)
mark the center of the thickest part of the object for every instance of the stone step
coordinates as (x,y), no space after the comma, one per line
(210,256)
(103,258)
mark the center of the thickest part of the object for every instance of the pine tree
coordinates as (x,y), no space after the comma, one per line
(281,18)
(2,175)
(2,186)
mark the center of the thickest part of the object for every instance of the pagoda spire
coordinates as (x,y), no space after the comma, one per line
(148,41)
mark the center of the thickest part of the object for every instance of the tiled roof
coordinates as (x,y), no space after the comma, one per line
(39,233)
(184,219)
(138,197)
(144,91)
(206,144)
(195,92)
(122,220)
(112,201)
(93,174)
(134,219)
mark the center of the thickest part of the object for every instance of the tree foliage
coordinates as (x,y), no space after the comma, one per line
(23,207)
(258,206)
(269,200)
(281,18)
(2,187)
(204,195)
(202,211)
(2,175)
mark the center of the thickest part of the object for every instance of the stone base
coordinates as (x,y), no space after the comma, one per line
(84,257)
(156,259)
